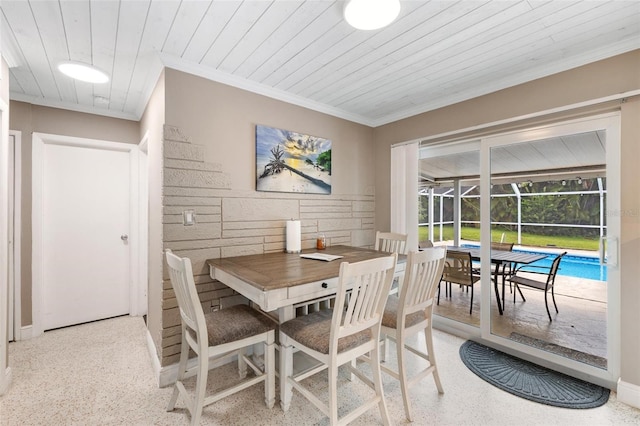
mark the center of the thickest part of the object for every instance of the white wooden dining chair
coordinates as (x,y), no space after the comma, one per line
(338,336)
(410,314)
(217,335)
(391,242)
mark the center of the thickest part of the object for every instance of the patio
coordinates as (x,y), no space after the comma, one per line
(578,330)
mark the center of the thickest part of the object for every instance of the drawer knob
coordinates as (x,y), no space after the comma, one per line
(325,285)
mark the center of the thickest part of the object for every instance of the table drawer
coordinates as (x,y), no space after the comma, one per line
(313,290)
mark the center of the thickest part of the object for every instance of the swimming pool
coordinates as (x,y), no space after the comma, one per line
(572,265)
(575,266)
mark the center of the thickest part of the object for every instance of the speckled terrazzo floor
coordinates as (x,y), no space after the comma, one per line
(100,374)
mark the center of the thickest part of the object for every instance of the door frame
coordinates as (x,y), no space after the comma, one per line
(39,140)
(5,370)
(15,284)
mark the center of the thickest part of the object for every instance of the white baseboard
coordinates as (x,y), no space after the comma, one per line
(26,332)
(5,381)
(153,354)
(629,393)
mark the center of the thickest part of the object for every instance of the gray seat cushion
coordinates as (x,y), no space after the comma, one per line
(236,323)
(390,317)
(313,331)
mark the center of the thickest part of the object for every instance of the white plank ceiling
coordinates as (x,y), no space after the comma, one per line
(436,53)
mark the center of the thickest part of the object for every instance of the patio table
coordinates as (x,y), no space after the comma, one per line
(500,258)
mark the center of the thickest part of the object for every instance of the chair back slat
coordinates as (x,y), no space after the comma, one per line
(423,272)
(369,282)
(391,242)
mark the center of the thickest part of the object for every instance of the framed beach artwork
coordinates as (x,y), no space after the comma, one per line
(288,161)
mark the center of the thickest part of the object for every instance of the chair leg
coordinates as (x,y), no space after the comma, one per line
(428,334)
(385,348)
(377,381)
(553,296)
(201,387)
(286,370)
(354,365)
(242,364)
(519,291)
(333,394)
(546,305)
(402,375)
(182,368)
(440,285)
(270,371)
(471,308)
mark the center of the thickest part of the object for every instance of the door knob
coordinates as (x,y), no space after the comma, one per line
(124,237)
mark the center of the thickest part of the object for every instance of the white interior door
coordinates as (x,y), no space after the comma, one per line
(85,226)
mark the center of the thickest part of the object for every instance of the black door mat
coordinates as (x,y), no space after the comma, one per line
(530,381)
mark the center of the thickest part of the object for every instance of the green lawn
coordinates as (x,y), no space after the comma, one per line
(473,234)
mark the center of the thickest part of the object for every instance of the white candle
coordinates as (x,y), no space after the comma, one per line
(294,243)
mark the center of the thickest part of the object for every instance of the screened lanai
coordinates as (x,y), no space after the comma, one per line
(547,195)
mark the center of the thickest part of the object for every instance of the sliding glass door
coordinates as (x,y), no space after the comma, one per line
(539,192)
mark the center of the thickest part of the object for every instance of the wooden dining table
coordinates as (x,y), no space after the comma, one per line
(276,282)
(279,282)
(500,258)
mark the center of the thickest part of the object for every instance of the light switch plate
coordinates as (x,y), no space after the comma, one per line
(188,217)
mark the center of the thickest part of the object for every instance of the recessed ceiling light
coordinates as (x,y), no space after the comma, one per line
(371,14)
(83,72)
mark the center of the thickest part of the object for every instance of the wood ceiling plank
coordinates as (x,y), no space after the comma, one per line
(240,23)
(158,24)
(129,36)
(75,16)
(208,30)
(22,24)
(254,41)
(301,27)
(587,148)
(104,30)
(186,21)
(283,72)
(22,80)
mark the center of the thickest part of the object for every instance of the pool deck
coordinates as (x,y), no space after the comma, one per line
(580,325)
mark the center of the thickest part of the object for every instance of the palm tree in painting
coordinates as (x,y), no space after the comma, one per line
(276,165)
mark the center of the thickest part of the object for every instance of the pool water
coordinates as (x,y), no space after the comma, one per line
(571,265)
(574,266)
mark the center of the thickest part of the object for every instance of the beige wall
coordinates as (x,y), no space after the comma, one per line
(27,119)
(223,118)
(609,77)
